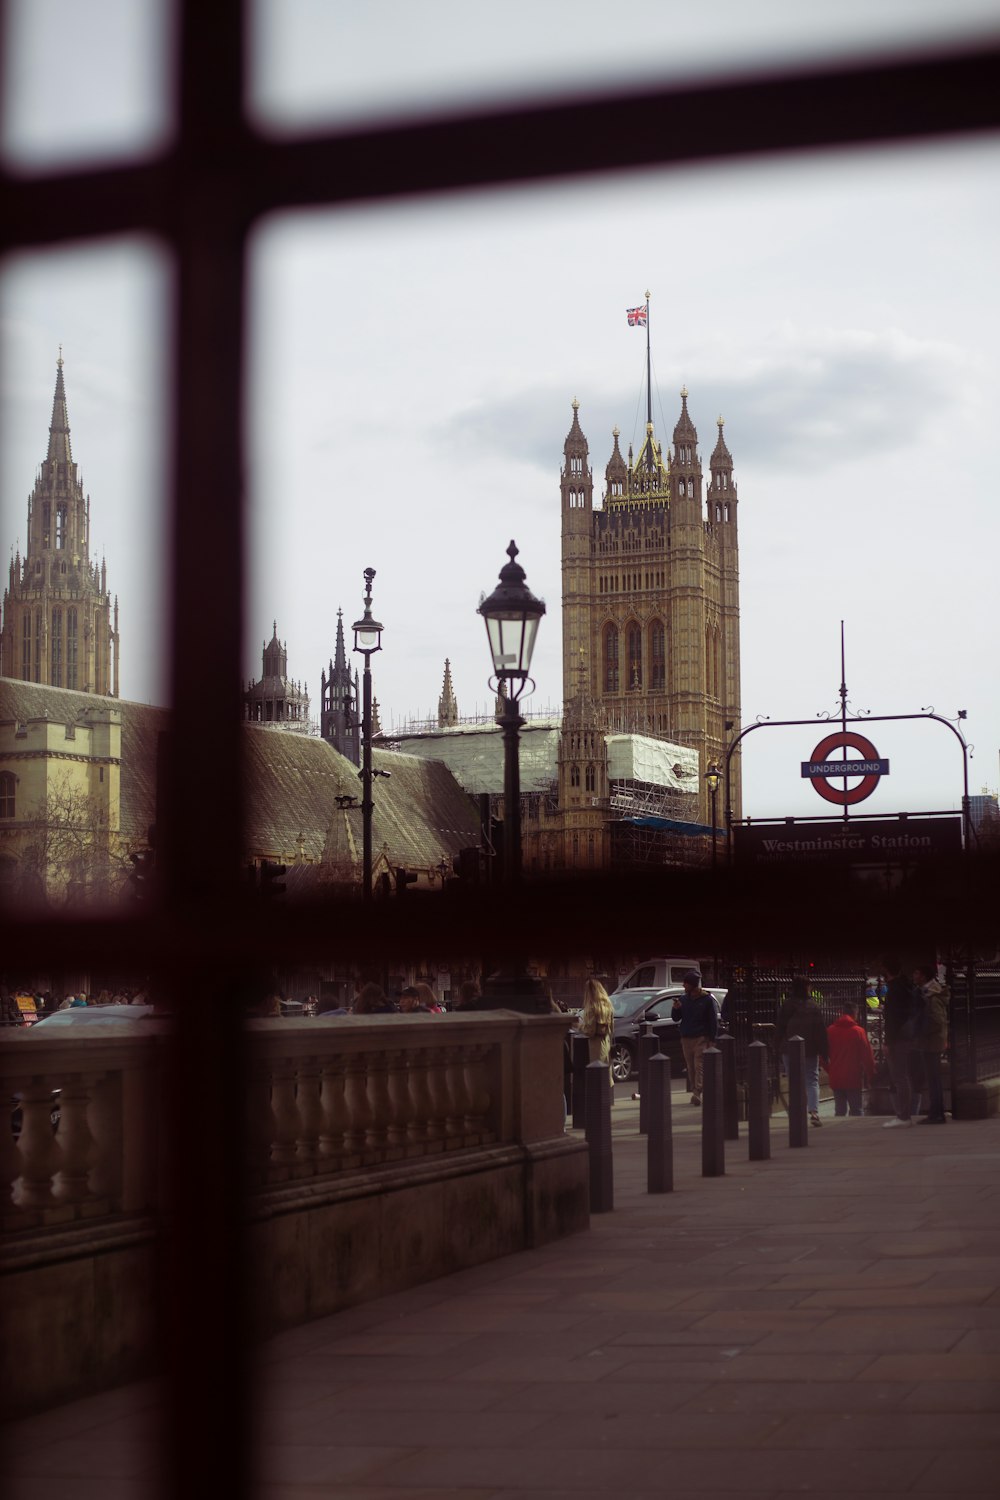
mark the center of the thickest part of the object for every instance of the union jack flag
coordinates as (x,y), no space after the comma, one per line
(636,317)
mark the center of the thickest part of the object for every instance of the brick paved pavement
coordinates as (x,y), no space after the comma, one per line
(826,1323)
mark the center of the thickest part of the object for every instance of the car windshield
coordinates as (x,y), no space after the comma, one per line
(627,1002)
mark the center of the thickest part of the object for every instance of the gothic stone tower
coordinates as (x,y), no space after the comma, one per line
(59,624)
(650,601)
(340,717)
(276,699)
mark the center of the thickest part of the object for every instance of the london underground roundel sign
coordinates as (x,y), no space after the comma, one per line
(820,769)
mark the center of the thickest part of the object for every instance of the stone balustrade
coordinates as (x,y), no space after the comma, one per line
(386,1089)
(80,1142)
(380,1151)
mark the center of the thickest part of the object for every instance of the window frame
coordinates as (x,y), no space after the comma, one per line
(201,198)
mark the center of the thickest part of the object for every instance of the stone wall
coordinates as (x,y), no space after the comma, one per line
(383,1152)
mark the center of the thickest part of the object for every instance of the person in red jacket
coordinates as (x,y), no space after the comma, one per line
(852,1065)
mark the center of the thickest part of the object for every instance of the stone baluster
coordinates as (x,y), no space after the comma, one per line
(419,1125)
(39,1152)
(310,1113)
(261,1124)
(377,1129)
(335,1116)
(286,1113)
(10,1163)
(476,1091)
(106,1126)
(442,1122)
(75,1139)
(457,1096)
(399,1098)
(356,1098)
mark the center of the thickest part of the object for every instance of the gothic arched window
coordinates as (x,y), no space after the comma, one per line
(7,799)
(590,780)
(657,656)
(611,659)
(574,775)
(634,656)
(72,643)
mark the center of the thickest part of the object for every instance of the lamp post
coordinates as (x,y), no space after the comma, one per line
(713,778)
(512,614)
(367,640)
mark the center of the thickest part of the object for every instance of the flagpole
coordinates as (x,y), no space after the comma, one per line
(649,382)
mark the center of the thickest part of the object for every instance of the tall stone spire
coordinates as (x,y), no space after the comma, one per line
(340,717)
(59,445)
(340,654)
(447,706)
(58,624)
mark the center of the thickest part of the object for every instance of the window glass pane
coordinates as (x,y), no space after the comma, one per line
(83,478)
(412,378)
(316,61)
(84,81)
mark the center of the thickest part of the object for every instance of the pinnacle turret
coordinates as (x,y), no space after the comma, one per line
(685,433)
(340,655)
(616,472)
(59,445)
(447,706)
(575,440)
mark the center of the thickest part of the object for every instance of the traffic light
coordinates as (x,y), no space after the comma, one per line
(140,876)
(271,883)
(403,879)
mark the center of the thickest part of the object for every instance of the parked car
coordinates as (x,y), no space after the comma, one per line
(86,1017)
(634,1006)
(658,974)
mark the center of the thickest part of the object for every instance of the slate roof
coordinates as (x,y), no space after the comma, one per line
(420,812)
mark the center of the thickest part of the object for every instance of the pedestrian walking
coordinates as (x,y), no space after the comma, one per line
(901,1008)
(597,1021)
(851,1064)
(931,1039)
(699,1022)
(801,1016)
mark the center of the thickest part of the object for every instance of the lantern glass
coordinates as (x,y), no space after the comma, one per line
(512,642)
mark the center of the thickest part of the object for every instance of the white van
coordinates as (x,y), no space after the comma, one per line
(658,974)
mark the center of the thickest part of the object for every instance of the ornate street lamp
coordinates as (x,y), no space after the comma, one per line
(367,640)
(512,614)
(713,780)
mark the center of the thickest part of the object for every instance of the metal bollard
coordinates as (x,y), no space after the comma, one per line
(660,1140)
(730,1102)
(598,1090)
(581,1062)
(798,1123)
(760,1103)
(647,1049)
(713,1142)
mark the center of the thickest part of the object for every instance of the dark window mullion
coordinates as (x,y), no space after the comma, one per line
(205,1270)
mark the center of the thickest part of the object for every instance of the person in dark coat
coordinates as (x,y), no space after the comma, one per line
(901,1010)
(801,1016)
(932,1038)
(699,1021)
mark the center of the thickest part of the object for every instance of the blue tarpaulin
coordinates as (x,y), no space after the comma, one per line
(671,825)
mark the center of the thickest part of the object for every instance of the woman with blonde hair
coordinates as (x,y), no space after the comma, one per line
(597,1021)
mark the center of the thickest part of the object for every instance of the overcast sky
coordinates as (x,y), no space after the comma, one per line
(413,367)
